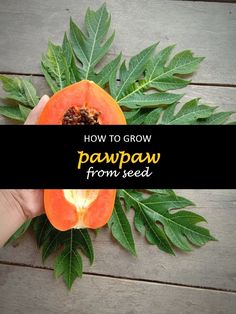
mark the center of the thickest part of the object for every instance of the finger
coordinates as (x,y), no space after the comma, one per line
(35,113)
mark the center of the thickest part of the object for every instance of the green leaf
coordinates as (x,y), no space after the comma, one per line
(102,78)
(143,116)
(12,112)
(152,232)
(42,227)
(55,68)
(90,48)
(47,237)
(74,71)
(156,63)
(29,92)
(138,118)
(77,40)
(69,263)
(216,118)
(51,240)
(51,83)
(188,114)
(135,69)
(82,240)
(153,116)
(157,75)
(166,82)
(141,86)
(161,191)
(131,114)
(24,111)
(168,201)
(20,90)
(153,100)
(120,228)
(19,232)
(180,227)
(184,63)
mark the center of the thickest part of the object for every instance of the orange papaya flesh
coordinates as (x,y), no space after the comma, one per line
(80,104)
(85,96)
(67,209)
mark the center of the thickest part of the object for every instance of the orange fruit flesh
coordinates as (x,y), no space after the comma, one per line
(68,209)
(85,94)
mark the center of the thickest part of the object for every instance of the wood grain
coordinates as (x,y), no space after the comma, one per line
(217,206)
(223,97)
(153,282)
(206,28)
(27,290)
(212,266)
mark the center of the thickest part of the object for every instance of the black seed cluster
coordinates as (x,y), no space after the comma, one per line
(80,116)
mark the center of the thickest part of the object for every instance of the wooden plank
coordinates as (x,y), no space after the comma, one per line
(206,28)
(211,266)
(217,206)
(223,97)
(27,290)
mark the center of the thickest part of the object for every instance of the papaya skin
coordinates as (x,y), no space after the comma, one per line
(85,94)
(67,209)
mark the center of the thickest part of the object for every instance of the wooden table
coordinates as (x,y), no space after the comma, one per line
(203,281)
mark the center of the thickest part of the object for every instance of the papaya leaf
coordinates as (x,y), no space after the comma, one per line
(74,71)
(163,77)
(12,112)
(19,232)
(91,47)
(69,262)
(24,112)
(81,240)
(188,114)
(55,68)
(120,228)
(20,90)
(51,239)
(179,228)
(158,74)
(41,227)
(151,231)
(153,100)
(153,116)
(51,83)
(102,78)
(161,191)
(135,68)
(138,118)
(143,116)
(216,118)
(23,92)
(141,86)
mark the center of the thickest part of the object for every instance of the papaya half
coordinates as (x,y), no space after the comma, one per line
(83,103)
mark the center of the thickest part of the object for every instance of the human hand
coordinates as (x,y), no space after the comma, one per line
(31,201)
(17,206)
(35,113)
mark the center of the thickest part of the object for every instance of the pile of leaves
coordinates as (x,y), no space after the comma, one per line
(142,88)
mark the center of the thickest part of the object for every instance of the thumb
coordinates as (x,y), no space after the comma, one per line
(35,113)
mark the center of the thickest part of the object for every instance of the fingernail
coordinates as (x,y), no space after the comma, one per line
(44,98)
